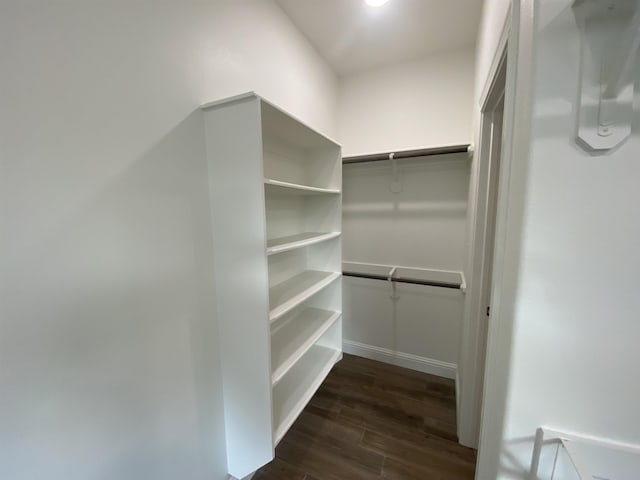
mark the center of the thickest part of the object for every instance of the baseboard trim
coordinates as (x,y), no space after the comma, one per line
(457,390)
(400,359)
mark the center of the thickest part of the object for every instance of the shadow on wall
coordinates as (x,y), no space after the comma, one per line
(110,350)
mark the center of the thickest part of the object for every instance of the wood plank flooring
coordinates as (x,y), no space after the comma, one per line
(370,420)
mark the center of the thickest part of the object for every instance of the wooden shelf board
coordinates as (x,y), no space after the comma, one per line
(286,295)
(296,336)
(297,387)
(291,242)
(277,186)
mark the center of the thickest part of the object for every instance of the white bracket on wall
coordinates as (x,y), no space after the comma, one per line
(610,37)
(396,185)
(394,288)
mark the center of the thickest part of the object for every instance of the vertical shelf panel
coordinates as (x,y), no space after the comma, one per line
(234,156)
(276,207)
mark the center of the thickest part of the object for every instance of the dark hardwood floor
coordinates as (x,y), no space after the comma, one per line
(370,420)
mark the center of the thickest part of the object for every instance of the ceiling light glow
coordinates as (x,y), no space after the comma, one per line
(375,3)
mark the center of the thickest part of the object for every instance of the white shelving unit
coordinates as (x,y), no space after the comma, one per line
(287,295)
(560,455)
(296,336)
(299,385)
(276,186)
(276,206)
(290,242)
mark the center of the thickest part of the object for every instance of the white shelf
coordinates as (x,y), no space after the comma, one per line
(284,244)
(296,336)
(251,143)
(276,186)
(285,296)
(297,387)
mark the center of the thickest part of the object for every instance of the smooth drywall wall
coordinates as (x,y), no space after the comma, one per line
(423,103)
(108,335)
(573,350)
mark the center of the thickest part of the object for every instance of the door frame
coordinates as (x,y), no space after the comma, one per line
(482,402)
(510,221)
(474,327)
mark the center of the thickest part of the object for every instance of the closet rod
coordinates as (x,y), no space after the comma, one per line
(423,152)
(413,281)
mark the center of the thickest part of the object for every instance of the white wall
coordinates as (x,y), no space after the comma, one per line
(411,105)
(424,103)
(108,339)
(572,347)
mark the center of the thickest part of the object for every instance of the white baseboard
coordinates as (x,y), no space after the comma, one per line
(457,390)
(400,359)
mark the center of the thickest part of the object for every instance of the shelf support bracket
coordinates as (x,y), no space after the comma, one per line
(394,288)
(396,185)
(610,37)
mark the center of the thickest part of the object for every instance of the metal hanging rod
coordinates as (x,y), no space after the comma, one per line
(413,281)
(423,152)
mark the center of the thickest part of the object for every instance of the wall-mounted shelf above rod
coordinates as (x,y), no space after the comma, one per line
(423,152)
(410,275)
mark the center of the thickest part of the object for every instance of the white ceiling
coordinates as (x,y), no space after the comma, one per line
(353,37)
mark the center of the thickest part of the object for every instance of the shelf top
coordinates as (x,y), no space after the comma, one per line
(286,295)
(298,334)
(295,188)
(296,388)
(290,242)
(253,95)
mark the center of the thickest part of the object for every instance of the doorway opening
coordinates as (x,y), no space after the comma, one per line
(478,302)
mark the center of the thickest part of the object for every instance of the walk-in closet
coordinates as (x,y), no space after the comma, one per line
(350,270)
(319,239)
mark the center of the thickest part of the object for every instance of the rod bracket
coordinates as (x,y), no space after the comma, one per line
(395,186)
(610,37)
(394,289)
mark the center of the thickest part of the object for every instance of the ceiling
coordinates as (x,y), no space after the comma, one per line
(353,36)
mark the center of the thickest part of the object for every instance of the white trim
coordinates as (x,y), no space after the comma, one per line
(509,225)
(400,359)
(553,433)
(457,390)
(472,342)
